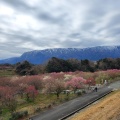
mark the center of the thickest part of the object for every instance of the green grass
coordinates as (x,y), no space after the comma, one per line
(42,101)
(7,73)
(5,114)
(46,100)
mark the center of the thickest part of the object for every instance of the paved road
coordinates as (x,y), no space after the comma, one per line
(62,110)
(115,85)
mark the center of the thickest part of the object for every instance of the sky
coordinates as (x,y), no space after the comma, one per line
(27,25)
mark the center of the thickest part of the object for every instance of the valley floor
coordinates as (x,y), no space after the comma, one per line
(106,109)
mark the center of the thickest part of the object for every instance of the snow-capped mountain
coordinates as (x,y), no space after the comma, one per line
(41,56)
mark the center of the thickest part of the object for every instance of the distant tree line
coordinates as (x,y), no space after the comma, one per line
(25,68)
(6,66)
(58,65)
(108,63)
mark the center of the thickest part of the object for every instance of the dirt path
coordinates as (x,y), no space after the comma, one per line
(106,109)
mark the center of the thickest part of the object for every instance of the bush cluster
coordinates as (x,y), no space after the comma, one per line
(18,115)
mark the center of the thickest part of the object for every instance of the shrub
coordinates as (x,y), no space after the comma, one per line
(53,103)
(0,111)
(26,113)
(15,116)
(66,98)
(78,93)
(49,106)
(11,119)
(18,115)
(83,91)
(38,109)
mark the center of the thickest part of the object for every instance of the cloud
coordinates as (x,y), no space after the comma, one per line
(17,5)
(40,24)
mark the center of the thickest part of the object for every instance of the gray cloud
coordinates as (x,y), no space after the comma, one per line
(40,24)
(87,26)
(51,19)
(18,5)
(115,21)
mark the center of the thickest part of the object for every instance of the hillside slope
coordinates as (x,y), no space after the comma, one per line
(106,109)
(41,56)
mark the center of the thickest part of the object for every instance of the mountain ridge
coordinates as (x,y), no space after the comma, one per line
(91,53)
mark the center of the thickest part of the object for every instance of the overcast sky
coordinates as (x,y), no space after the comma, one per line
(27,25)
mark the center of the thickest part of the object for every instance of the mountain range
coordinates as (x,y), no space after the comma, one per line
(41,56)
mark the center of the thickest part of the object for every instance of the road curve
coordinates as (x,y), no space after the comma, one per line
(58,112)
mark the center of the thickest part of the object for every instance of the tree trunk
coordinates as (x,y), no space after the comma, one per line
(57,95)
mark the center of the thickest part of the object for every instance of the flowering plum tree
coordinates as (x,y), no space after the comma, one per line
(55,84)
(90,81)
(113,73)
(8,99)
(31,92)
(76,83)
(35,81)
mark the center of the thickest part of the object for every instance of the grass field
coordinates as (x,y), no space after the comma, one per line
(41,103)
(7,73)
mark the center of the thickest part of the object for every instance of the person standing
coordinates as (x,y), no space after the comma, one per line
(95,89)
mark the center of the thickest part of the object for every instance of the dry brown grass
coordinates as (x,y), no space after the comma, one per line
(106,109)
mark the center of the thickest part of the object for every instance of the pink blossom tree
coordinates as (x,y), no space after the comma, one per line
(31,92)
(113,73)
(24,82)
(7,95)
(90,81)
(4,81)
(54,84)
(76,83)
(35,81)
